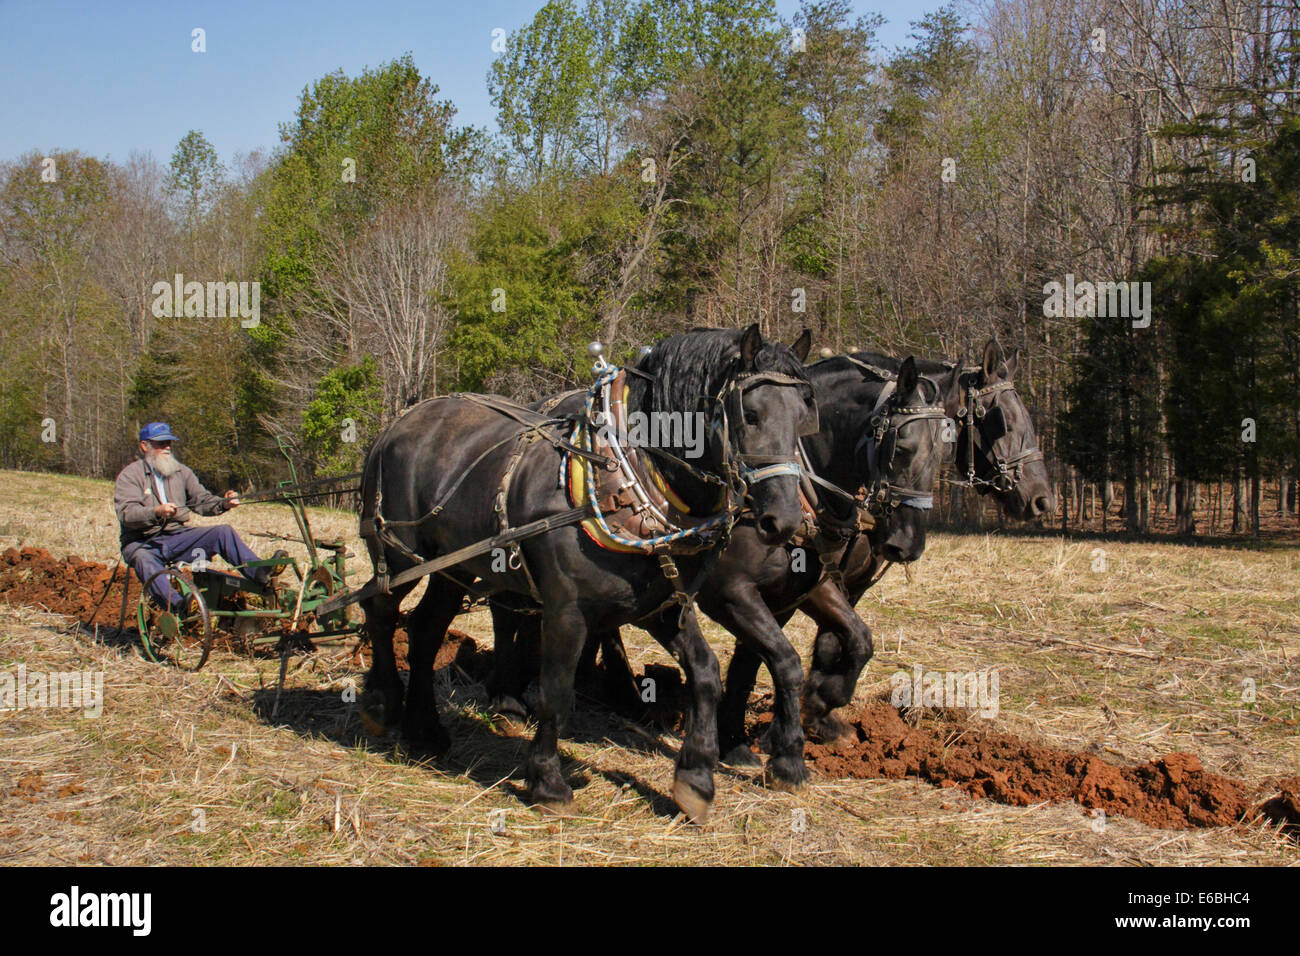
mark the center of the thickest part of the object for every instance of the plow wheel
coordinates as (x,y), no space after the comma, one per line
(180,634)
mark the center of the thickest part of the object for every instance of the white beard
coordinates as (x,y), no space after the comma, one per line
(166,465)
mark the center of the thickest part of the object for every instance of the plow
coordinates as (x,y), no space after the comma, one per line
(282,615)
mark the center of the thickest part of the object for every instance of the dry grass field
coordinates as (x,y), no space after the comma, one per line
(1146,657)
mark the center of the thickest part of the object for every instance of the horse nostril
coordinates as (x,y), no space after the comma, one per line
(1042,505)
(768,527)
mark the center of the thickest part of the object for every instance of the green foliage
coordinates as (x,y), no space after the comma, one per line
(194,174)
(837,90)
(726,66)
(524,263)
(22,410)
(541,82)
(1201,410)
(357,146)
(1113,378)
(387,129)
(350,395)
(942,58)
(1234,315)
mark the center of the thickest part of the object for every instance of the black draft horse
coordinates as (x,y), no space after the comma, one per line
(465,450)
(988,417)
(755,585)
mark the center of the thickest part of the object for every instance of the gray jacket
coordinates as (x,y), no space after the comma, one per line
(134,498)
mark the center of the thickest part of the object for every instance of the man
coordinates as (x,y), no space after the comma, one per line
(154,497)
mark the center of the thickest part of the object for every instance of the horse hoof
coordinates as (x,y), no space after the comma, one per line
(552,798)
(831,731)
(773,782)
(424,744)
(374,726)
(509,708)
(841,742)
(740,756)
(380,713)
(786,775)
(555,808)
(691,802)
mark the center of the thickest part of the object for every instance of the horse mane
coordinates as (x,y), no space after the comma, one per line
(928,369)
(691,365)
(923,365)
(775,357)
(682,368)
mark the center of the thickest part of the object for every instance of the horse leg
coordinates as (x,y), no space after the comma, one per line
(746,615)
(618,684)
(840,652)
(742,673)
(506,685)
(693,776)
(587,674)
(564,631)
(426,628)
(381,697)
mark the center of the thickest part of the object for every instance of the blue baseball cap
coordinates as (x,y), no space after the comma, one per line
(157,431)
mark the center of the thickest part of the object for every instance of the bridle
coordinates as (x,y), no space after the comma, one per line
(742,470)
(738,470)
(832,534)
(991,424)
(882,495)
(888,418)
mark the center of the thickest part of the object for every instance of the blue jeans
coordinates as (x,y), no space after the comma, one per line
(185,544)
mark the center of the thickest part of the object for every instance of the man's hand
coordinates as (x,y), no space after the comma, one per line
(232,499)
(164,511)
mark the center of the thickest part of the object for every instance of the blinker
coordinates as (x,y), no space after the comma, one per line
(994,424)
(811,423)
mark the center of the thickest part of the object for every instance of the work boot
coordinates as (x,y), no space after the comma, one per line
(268,572)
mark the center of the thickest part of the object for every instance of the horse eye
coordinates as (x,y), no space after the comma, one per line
(751,417)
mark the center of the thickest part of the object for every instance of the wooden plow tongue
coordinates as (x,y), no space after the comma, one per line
(442,562)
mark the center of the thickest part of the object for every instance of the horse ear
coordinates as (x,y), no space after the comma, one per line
(802,345)
(1012,364)
(750,342)
(992,359)
(907,377)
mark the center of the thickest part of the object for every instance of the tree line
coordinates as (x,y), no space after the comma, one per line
(661,165)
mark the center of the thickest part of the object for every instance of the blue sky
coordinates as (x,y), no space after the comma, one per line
(110,77)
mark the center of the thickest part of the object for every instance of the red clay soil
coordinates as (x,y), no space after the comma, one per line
(35,578)
(457,648)
(1174,792)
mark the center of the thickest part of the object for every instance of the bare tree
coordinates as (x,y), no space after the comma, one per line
(387,291)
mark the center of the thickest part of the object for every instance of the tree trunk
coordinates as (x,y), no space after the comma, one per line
(1144,502)
(1238,501)
(1186,503)
(1065,499)
(1256,492)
